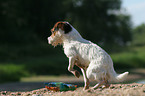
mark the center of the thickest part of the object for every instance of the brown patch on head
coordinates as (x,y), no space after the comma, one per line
(63,26)
(57,26)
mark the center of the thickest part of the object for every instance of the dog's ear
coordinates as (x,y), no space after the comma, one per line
(67,28)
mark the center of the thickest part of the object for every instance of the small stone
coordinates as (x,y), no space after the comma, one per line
(127,85)
(112,87)
(141,85)
(61,92)
(18,93)
(4,92)
(133,85)
(34,92)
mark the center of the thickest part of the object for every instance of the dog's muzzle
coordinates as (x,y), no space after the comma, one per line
(50,40)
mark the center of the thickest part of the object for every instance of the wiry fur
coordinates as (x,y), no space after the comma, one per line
(94,62)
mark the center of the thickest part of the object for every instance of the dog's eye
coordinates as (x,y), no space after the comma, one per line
(53,30)
(54,33)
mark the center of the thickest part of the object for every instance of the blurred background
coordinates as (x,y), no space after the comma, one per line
(25,26)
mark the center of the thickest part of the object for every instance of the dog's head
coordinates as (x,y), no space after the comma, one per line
(59,30)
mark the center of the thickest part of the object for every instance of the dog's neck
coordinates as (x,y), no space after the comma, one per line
(72,37)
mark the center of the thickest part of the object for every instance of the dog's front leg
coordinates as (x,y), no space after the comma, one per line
(71,65)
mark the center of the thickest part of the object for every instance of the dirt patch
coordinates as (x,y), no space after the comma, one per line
(133,89)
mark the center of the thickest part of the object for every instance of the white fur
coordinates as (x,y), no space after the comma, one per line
(98,63)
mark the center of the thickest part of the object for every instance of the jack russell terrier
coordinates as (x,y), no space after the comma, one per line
(93,61)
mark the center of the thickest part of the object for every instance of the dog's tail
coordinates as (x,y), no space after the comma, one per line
(118,77)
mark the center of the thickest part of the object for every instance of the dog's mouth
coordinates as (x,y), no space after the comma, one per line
(54,42)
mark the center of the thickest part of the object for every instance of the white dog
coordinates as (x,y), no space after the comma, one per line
(93,61)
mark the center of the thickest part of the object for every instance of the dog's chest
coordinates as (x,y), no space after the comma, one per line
(78,50)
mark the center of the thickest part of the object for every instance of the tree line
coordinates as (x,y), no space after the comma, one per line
(29,21)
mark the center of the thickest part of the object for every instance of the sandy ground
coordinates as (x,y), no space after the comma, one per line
(37,88)
(133,89)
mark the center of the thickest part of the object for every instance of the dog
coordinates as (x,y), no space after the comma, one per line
(93,61)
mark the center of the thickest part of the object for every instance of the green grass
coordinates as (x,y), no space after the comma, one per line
(12,72)
(48,65)
(132,58)
(34,60)
(53,78)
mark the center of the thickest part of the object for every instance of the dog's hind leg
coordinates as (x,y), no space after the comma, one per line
(99,84)
(107,85)
(86,80)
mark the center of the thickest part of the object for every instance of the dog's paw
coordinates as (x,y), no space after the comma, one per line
(86,88)
(77,74)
